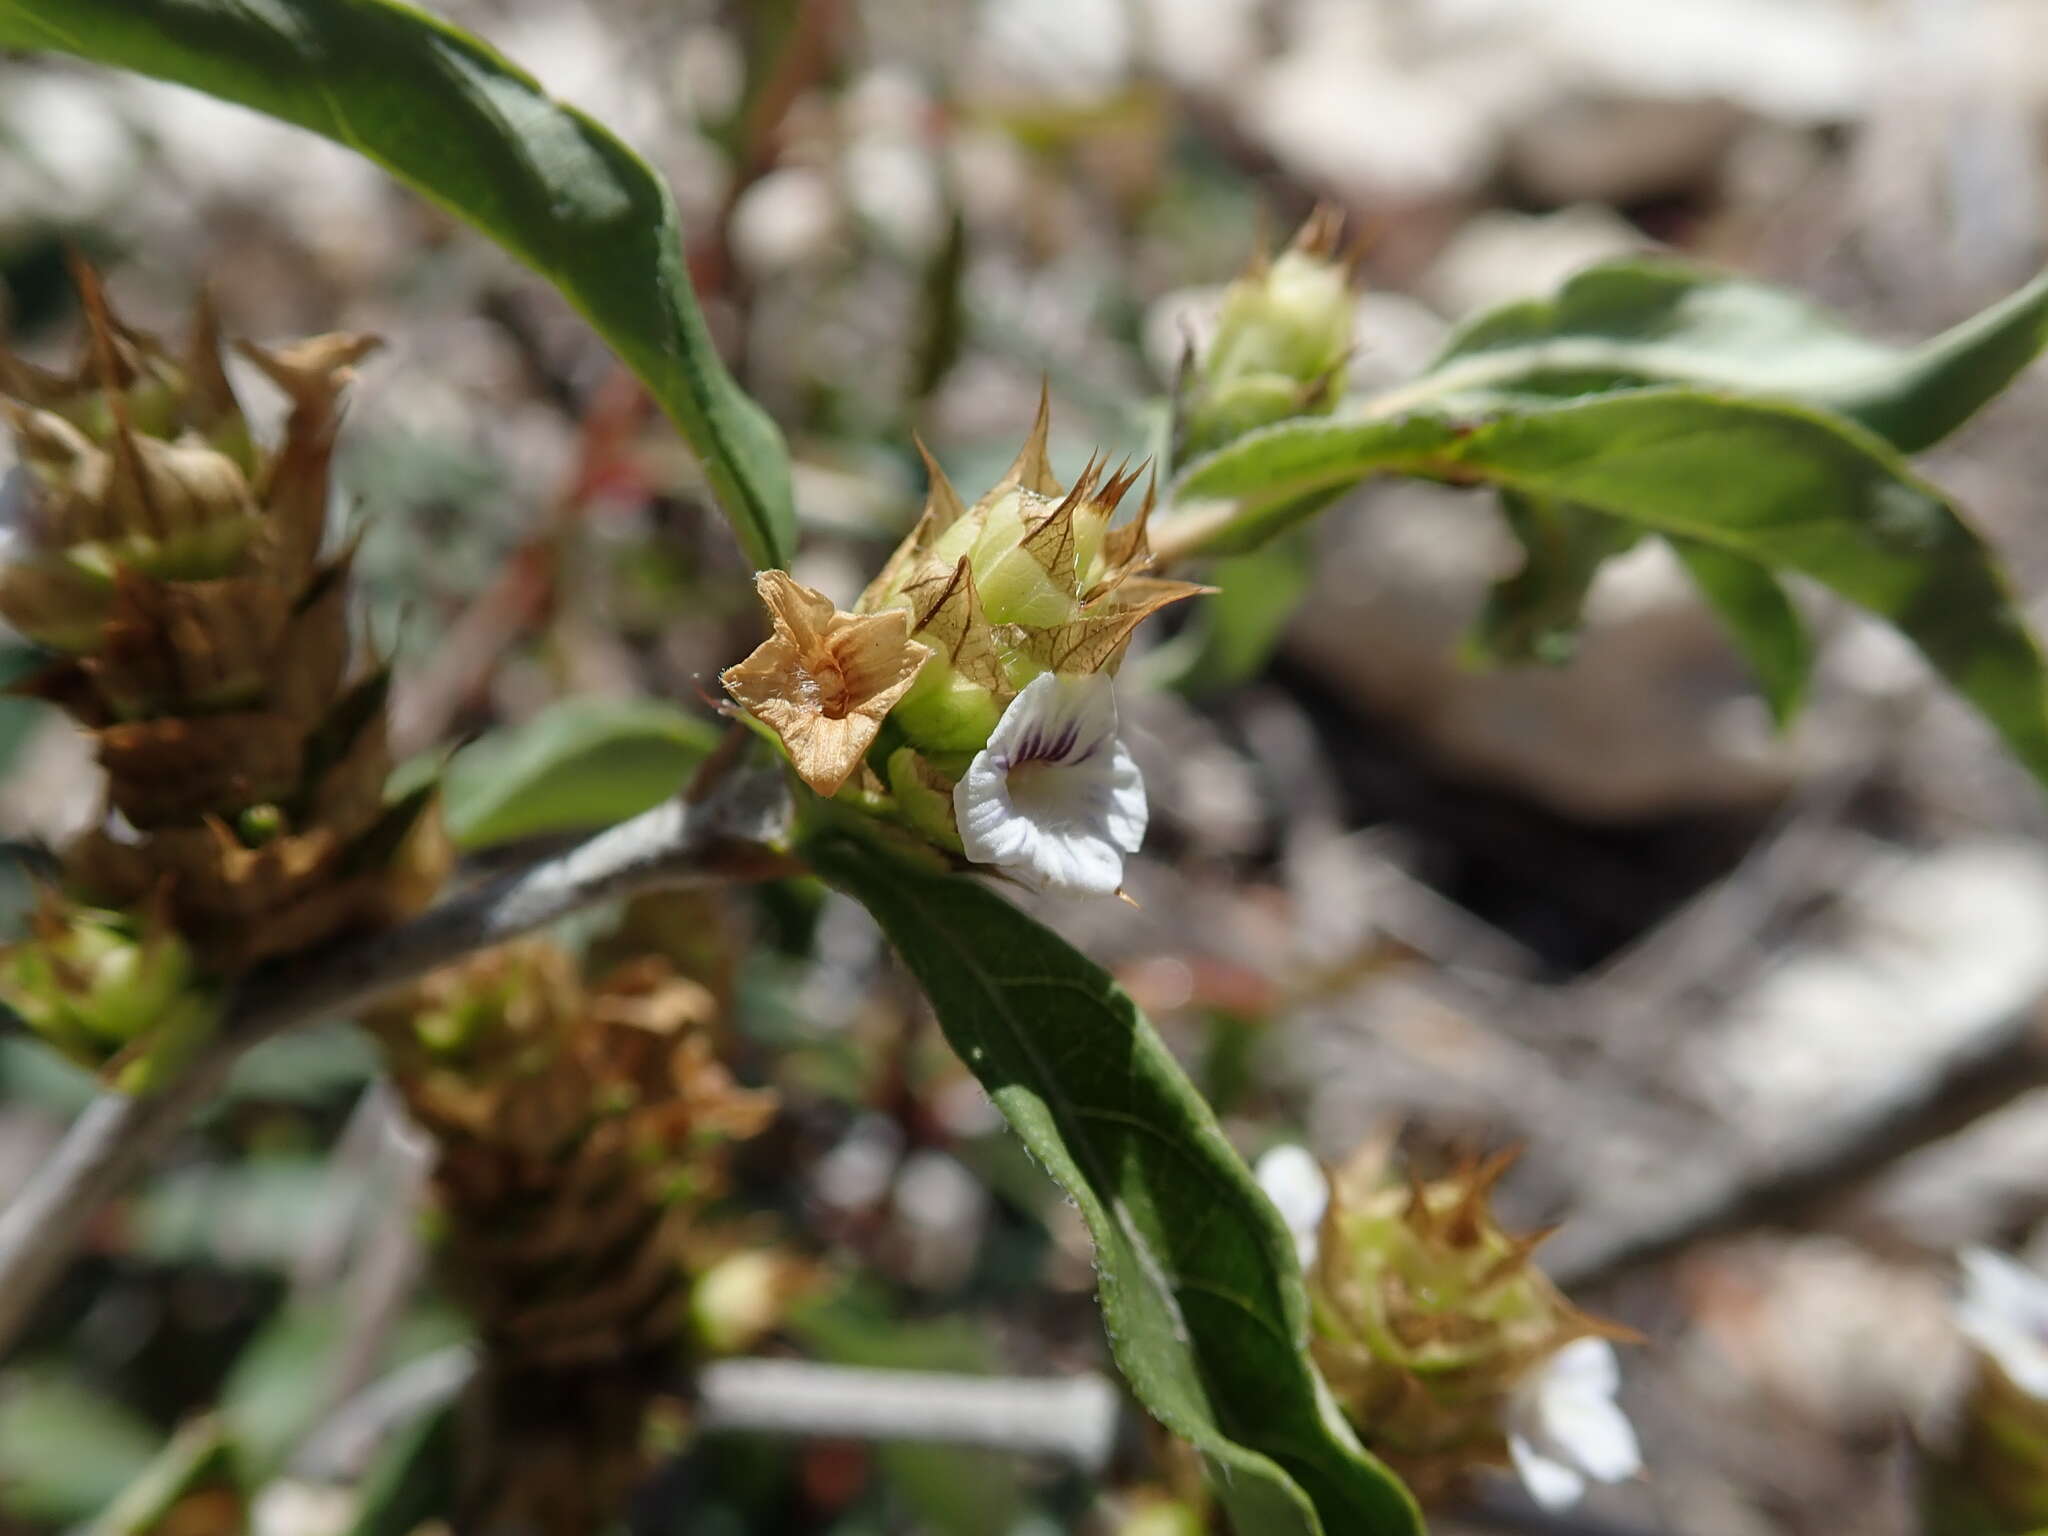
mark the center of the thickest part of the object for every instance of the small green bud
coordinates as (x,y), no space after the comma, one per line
(946,711)
(260,824)
(1280,344)
(108,990)
(1159,1515)
(742,1298)
(923,797)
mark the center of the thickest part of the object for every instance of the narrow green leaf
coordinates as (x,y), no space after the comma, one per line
(66,1451)
(1760,618)
(1201,1294)
(1783,486)
(1533,614)
(413,1479)
(456,122)
(1241,496)
(1641,322)
(577,765)
(199,1461)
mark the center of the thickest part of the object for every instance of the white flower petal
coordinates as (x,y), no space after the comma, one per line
(1128,811)
(1055,798)
(1296,1186)
(1564,1425)
(1584,1365)
(1057,717)
(1551,1484)
(1595,1434)
(2003,1311)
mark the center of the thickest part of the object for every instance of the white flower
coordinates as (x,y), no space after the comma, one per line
(1564,1426)
(1295,1184)
(2003,1310)
(1054,798)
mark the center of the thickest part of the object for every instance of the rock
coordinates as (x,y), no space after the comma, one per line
(1654,716)
(1927,949)
(1586,149)
(1343,109)
(1813,61)
(1499,257)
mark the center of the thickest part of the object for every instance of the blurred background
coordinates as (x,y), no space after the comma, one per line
(1760,1009)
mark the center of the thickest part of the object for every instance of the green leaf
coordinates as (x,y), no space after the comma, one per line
(450,118)
(1533,615)
(413,1479)
(1782,486)
(577,765)
(1641,322)
(66,1452)
(258,1214)
(1760,618)
(1240,497)
(1201,1294)
(199,1461)
(283,1379)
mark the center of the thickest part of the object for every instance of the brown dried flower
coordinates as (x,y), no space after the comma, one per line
(825,679)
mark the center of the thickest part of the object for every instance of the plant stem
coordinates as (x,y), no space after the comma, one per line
(735,829)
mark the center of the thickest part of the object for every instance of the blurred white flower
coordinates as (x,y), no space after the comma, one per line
(1294,1182)
(1055,798)
(2003,1310)
(1564,1426)
(288,1507)
(786,219)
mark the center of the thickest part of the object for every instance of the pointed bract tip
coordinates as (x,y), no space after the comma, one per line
(1321,233)
(1032,468)
(942,503)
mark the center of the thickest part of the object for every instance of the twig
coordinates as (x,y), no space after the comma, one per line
(733,831)
(1496,1513)
(1072,1418)
(1986,1071)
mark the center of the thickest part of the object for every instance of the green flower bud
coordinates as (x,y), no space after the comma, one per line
(923,797)
(1432,1326)
(1030,579)
(1280,344)
(1157,1514)
(742,1298)
(115,993)
(974,607)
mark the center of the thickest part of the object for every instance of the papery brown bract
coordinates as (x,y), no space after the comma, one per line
(582,1127)
(1426,1316)
(205,644)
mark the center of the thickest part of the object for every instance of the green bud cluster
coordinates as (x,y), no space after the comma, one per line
(1029,579)
(974,604)
(1280,345)
(118,994)
(1427,1315)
